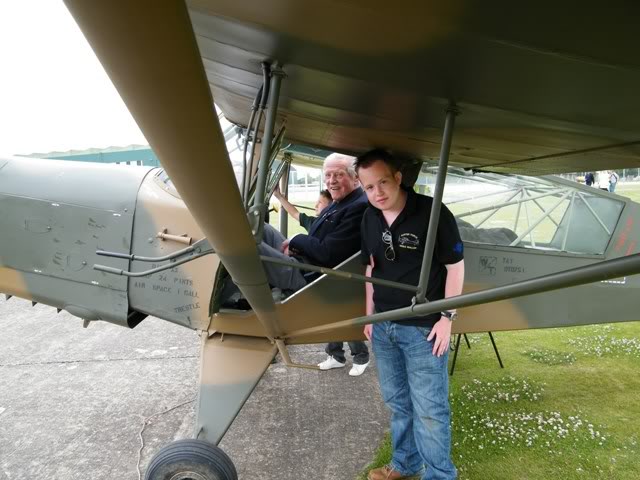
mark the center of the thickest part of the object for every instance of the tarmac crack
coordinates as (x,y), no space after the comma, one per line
(147,421)
(94,360)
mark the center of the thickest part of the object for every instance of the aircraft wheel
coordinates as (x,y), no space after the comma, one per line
(191,460)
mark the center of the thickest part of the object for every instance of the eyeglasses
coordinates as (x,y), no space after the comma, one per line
(337,175)
(389,253)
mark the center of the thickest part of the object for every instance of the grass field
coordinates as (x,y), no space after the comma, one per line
(630,190)
(294,225)
(565,406)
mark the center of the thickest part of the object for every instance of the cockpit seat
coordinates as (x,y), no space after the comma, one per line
(492,236)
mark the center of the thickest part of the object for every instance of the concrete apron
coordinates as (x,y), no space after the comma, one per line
(73,401)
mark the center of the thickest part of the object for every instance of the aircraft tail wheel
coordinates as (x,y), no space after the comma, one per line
(191,460)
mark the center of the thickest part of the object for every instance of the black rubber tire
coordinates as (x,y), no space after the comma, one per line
(191,460)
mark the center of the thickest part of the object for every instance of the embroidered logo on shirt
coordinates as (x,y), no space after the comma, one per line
(458,247)
(409,241)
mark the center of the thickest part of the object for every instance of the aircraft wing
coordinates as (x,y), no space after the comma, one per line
(539,90)
(542,88)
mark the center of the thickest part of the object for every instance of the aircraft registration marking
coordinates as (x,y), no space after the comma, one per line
(510,266)
(488,265)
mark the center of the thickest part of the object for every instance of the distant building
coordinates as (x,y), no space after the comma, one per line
(129,155)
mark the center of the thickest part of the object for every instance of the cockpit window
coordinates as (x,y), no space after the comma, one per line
(545,213)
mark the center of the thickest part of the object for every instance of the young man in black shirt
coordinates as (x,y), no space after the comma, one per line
(411,354)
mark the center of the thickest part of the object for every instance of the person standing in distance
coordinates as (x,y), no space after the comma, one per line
(411,354)
(589,179)
(613,180)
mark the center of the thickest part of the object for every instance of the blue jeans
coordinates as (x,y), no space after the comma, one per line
(415,387)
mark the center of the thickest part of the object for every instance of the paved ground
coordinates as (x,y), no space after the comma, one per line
(73,402)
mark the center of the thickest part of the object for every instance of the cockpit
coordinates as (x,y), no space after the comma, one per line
(545,213)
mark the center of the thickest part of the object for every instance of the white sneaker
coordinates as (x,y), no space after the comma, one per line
(330,363)
(358,369)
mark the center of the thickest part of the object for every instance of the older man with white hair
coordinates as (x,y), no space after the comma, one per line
(333,237)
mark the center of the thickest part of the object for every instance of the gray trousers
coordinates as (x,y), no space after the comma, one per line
(359,352)
(287,278)
(290,278)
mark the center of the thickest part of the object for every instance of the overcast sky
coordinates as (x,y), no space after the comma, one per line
(54,94)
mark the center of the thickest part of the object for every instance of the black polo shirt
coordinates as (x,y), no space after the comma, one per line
(409,234)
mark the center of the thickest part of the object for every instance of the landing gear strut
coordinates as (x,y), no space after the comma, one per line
(191,460)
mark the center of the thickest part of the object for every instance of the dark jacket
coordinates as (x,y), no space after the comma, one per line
(335,235)
(589,179)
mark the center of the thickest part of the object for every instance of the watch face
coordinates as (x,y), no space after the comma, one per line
(454,316)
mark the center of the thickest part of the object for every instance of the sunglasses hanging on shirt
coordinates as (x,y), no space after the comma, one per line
(387,239)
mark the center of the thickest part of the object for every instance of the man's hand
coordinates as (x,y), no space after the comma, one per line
(284,248)
(277,193)
(368,330)
(442,331)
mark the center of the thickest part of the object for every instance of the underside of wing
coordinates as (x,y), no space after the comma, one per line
(540,88)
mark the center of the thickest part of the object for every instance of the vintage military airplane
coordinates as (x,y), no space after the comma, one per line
(537,90)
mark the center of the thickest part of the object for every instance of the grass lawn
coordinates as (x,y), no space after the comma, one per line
(630,190)
(293,225)
(565,406)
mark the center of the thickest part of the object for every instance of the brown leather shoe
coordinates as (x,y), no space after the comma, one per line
(387,473)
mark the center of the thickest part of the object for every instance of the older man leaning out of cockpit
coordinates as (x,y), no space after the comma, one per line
(333,237)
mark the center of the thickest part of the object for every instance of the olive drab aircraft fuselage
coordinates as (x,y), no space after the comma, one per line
(58,216)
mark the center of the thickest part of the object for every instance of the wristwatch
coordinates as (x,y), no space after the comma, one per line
(452,316)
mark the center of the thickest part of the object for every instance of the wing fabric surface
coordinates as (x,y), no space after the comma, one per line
(541,88)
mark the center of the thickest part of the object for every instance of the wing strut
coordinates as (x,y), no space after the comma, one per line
(259,205)
(284,188)
(135,54)
(282,348)
(449,123)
